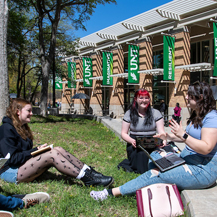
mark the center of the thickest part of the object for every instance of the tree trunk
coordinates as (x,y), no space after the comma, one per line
(44,88)
(4,83)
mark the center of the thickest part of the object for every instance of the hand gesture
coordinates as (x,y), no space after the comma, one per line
(177,129)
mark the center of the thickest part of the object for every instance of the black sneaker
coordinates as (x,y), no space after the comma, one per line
(95,173)
(93,178)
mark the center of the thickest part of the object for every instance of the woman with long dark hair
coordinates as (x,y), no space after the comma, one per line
(200,152)
(141,120)
(16,139)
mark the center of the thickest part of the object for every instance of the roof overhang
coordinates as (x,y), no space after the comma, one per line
(152,71)
(168,14)
(196,67)
(97,78)
(121,75)
(107,36)
(87,43)
(134,27)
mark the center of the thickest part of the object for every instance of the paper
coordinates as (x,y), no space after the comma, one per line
(4,160)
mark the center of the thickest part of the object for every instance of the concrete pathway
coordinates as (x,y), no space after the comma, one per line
(198,203)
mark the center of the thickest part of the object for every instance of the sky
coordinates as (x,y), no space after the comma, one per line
(110,14)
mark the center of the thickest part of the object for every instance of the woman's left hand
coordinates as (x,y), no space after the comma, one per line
(42,146)
(176,128)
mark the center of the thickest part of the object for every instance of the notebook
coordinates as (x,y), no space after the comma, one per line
(148,141)
(165,163)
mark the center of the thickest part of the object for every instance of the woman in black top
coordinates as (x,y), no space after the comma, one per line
(16,139)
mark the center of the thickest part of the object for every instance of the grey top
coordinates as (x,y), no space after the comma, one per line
(140,129)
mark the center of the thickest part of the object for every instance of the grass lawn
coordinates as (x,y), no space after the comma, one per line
(93,144)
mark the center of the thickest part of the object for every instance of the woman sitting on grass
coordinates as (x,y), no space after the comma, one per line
(200,152)
(141,120)
(16,139)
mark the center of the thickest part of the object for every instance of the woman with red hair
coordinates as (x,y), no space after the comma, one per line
(141,120)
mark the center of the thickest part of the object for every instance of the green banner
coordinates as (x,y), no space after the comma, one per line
(71,74)
(107,68)
(215,49)
(58,82)
(133,64)
(169,58)
(87,72)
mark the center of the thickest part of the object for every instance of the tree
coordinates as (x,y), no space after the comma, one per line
(49,13)
(22,50)
(4,95)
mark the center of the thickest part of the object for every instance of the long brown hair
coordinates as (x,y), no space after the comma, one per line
(23,130)
(205,102)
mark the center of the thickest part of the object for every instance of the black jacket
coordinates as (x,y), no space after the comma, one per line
(11,142)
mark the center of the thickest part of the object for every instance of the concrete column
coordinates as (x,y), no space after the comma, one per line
(145,63)
(182,78)
(117,92)
(78,104)
(96,96)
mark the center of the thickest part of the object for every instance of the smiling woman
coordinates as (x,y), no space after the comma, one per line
(16,139)
(200,152)
(141,120)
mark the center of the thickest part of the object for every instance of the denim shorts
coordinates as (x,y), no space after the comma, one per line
(10,175)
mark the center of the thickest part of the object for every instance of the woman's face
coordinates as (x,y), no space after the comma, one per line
(191,103)
(25,114)
(143,101)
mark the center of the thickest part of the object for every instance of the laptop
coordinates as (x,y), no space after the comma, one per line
(165,163)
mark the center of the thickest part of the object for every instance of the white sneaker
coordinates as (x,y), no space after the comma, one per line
(99,195)
(6,214)
(34,198)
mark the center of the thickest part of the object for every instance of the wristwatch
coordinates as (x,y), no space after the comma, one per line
(185,136)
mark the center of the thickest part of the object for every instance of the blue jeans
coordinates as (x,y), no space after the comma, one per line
(10,175)
(9,203)
(198,172)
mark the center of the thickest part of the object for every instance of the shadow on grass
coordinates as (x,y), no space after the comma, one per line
(55,119)
(49,176)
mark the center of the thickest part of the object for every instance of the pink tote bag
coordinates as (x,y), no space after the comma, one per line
(159,200)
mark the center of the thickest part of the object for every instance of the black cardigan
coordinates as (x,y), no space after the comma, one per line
(11,142)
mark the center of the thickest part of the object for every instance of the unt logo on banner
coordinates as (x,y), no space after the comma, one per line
(87,70)
(133,59)
(134,64)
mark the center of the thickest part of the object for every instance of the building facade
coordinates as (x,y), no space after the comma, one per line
(190,23)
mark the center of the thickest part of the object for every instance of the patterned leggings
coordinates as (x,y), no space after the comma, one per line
(58,157)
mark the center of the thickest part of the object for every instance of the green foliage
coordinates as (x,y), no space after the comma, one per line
(95,145)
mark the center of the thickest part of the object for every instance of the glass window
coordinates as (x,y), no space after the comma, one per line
(129,91)
(105,100)
(193,53)
(125,64)
(195,76)
(158,59)
(205,52)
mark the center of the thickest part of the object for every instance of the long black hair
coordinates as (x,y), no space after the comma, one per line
(134,109)
(205,102)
